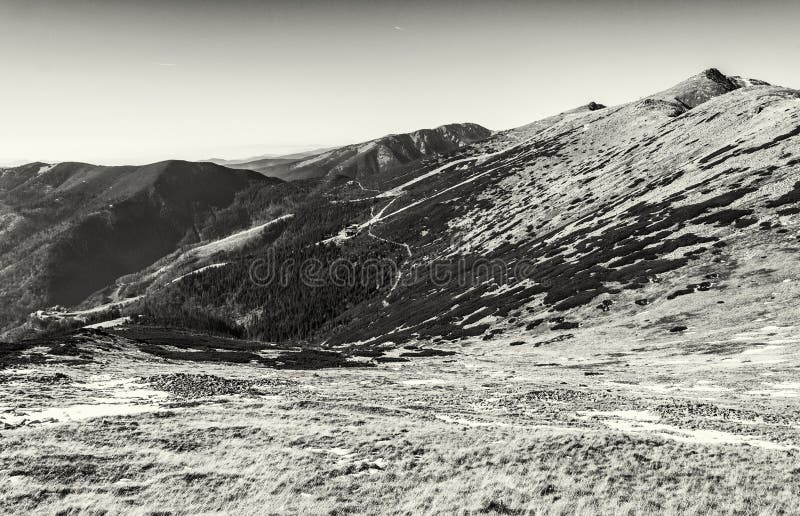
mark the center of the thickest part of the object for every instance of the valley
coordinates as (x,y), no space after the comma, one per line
(593,313)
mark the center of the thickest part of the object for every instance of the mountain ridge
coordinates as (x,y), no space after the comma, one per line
(376,156)
(613,209)
(75,227)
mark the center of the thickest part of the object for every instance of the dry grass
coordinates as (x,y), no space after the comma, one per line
(251,458)
(485,431)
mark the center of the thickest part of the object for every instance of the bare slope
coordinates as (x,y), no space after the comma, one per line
(597,214)
(598,424)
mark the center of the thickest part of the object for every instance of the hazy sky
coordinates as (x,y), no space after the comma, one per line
(110,81)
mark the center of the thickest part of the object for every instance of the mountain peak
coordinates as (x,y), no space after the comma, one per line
(698,89)
(715,75)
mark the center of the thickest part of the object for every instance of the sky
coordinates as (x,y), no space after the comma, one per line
(129,82)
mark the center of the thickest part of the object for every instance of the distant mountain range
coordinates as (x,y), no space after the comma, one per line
(254,159)
(381,155)
(677,209)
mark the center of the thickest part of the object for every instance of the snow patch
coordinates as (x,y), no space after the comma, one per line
(201,269)
(120,397)
(45,169)
(113,323)
(467,422)
(425,381)
(236,240)
(79,412)
(640,422)
(489,319)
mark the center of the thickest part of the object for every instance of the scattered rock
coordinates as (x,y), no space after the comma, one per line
(428,352)
(533,324)
(387,360)
(567,325)
(605,305)
(186,385)
(46,379)
(553,340)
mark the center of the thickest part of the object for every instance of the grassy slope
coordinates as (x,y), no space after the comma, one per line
(496,429)
(612,205)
